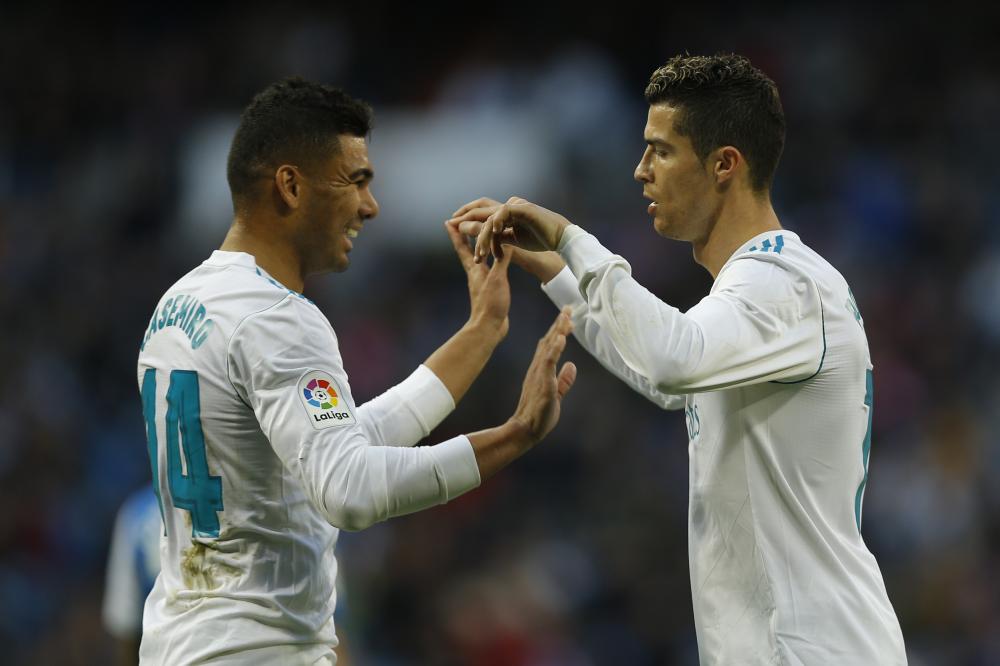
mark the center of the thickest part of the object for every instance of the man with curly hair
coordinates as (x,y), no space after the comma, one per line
(772,369)
(258,450)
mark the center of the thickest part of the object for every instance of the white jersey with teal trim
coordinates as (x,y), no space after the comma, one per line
(774,373)
(259,455)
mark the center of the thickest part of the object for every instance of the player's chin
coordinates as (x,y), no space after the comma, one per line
(662,227)
(340,257)
(336,261)
(340,264)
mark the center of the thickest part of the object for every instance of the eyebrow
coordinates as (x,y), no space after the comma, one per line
(656,142)
(364,173)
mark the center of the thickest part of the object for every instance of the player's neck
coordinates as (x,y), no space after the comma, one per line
(278,259)
(738,221)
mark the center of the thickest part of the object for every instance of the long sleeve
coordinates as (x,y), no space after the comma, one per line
(763,321)
(564,290)
(407,412)
(285,364)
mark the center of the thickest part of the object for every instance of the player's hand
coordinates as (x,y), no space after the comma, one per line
(543,265)
(489,290)
(517,222)
(541,396)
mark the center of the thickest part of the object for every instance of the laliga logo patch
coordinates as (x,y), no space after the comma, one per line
(326,405)
(319,394)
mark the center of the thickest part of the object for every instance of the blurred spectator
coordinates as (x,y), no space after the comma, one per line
(133,564)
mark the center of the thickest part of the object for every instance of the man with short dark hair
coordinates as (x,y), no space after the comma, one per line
(259,453)
(772,369)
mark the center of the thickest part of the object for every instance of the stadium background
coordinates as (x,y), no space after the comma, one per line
(113,132)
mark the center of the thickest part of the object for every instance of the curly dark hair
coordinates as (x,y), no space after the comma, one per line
(293,121)
(723,100)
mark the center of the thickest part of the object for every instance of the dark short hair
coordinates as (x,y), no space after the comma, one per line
(723,100)
(291,122)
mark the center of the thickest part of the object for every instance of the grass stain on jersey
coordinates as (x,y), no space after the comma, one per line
(199,572)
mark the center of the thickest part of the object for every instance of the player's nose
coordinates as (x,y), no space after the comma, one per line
(369,206)
(643,173)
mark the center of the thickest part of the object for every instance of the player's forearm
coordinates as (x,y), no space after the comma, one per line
(408,411)
(564,290)
(644,337)
(543,265)
(495,448)
(653,339)
(459,361)
(367,485)
(600,346)
(364,485)
(758,325)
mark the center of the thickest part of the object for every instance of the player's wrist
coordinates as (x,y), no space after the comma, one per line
(561,224)
(519,432)
(550,269)
(486,328)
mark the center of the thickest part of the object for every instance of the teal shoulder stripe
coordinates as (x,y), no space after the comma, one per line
(282,287)
(822,358)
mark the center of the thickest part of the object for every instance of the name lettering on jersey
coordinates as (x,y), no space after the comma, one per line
(182,312)
(693,420)
(767,246)
(325,403)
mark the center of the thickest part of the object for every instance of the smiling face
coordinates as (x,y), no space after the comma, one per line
(682,187)
(337,200)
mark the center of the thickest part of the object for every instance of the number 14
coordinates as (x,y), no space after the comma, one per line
(197,492)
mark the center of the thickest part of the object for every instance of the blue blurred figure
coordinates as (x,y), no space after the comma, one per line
(133,564)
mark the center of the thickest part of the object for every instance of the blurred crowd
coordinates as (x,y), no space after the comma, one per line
(113,134)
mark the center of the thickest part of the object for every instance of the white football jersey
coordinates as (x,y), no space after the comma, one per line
(259,455)
(773,371)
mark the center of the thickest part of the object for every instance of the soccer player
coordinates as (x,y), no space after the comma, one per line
(772,369)
(133,562)
(259,452)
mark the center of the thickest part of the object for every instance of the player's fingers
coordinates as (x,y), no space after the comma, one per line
(560,328)
(498,271)
(563,324)
(479,214)
(461,245)
(557,347)
(481,202)
(566,378)
(500,219)
(483,241)
(546,356)
(491,227)
(496,222)
(469,227)
(496,247)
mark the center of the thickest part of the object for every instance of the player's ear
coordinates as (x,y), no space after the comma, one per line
(726,161)
(288,183)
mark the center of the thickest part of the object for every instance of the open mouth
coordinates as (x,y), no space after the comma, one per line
(352,233)
(651,208)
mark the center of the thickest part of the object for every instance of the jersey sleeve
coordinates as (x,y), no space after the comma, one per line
(284,363)
(564,290)
(762,322)
(407,412)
